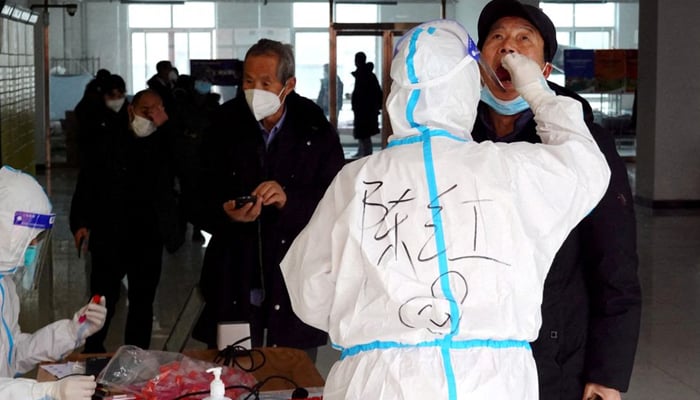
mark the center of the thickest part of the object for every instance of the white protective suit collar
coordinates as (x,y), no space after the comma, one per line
(19,192)
(449,85)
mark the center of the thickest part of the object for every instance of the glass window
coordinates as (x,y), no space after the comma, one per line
(200,45)
(310,15)
(138,60)
(182,55)
(593,40)
(592,15)
(149,16)
(194,15)
(587,26)
(358,13)
(310,57)
(563,38)
(147,48)
(562,15)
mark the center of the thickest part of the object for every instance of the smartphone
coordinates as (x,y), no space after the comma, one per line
(243,200)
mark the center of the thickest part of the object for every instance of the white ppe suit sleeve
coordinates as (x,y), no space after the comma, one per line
(50,343)
(56,340)
(18,388)
(307,266)
(70,388)
(568,148)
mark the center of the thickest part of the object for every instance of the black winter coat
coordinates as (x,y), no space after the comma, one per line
(126,187)
(591,305)
(303,158)
(366,100)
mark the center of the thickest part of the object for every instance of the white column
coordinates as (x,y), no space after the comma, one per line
(668,124)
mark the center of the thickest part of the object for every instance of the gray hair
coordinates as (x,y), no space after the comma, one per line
(284,53)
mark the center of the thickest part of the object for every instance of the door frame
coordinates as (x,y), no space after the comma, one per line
(387,31)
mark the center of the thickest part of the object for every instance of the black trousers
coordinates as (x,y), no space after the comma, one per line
(141,263)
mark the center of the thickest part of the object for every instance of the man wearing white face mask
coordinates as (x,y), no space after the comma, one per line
(125,202)
(25,219)
(278,148)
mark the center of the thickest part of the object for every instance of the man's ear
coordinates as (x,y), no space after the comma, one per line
(130,110)
(547,70)
(292,84)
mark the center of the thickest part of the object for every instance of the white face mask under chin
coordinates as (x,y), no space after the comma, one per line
(262,103)
(142,127)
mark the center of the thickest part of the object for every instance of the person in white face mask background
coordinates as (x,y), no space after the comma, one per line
(278,147)
(115,93)
(591,305)
(425,262)
(105,105)
(26,219)
(146,113)
(125,208)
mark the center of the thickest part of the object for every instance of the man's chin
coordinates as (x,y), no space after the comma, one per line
(509,94)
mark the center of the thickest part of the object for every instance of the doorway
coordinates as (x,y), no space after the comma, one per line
(376,40)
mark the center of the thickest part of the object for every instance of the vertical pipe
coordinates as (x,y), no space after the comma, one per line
(332,70)
(47,117)
(387,55)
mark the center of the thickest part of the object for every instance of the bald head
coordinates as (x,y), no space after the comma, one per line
(145,101)
(148,104)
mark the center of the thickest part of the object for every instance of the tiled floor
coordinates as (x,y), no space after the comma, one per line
(668,359)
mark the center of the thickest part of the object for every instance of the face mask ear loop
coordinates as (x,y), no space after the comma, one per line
(284,86)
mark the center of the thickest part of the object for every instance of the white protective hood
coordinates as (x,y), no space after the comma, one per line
(435,82)
(18,192)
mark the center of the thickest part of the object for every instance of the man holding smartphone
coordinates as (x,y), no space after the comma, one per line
(266,162)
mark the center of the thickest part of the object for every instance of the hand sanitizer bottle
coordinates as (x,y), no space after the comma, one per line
(217,390)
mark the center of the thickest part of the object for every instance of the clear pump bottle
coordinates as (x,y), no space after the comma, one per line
(217,390)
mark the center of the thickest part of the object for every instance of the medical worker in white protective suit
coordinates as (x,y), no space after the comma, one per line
(25,219)
(432,281)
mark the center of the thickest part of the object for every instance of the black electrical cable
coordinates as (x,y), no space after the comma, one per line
(74,374)
(229,356)
(201,392)
(298,393)
(258,386)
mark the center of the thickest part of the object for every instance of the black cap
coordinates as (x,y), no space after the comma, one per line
(497,9)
